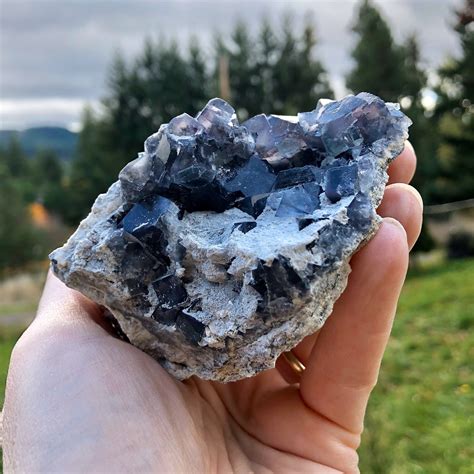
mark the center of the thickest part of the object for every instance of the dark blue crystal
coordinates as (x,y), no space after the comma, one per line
(170,291)
(295,176)
(145,216)
(166,316)
(134,258)
(278,280)
(192,329)
(280,142)
(304,222)
(255,177)
(339,131)
(245,227)
(267,165)
(300,200)
(137,178)
(211,163)
(360,212)
(217,114)
(341,181)
(253,205)
(261,131)
(143,223)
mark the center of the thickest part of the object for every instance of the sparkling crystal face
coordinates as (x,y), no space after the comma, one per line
(225,243)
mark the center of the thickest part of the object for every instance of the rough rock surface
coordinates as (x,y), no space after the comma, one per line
(224,244)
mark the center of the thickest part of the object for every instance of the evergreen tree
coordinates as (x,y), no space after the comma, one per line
(126,116)
(20,242)
(272,72)
(414,76)
(90,171)
(48,174)
(456,113)
(243,73)
(423,132)
(394,73)
(379,67)
(199,86)
(299,78)
(18,168)
(47,168)
(267,55)
(313,74)
(159,85)
(14,158)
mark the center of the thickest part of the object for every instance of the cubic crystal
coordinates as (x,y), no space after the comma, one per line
(224,244)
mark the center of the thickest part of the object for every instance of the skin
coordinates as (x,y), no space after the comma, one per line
(78,399)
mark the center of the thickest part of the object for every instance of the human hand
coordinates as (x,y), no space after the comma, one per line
(78,399)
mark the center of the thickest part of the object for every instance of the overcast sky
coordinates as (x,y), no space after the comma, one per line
(54,54)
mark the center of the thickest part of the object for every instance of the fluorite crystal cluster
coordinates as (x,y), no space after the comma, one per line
(224,244)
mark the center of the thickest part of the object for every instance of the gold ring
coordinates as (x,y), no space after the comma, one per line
(296,365)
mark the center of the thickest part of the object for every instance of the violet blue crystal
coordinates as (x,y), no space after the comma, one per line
(224,244)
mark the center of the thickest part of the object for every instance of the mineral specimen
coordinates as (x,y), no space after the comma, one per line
(224,244)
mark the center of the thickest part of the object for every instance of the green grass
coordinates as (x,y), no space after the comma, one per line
(8,338)
(20,293)
(421,415)
(420,418)
(11,309)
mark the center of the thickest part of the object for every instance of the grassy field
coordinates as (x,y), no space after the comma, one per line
(19,294)
(421,416)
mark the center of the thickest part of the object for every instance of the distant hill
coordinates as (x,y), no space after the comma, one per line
(59,139)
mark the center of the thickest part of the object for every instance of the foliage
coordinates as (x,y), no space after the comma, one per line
(47,176)
(161,83)
(418,419)
(379,62)
(456,113)
(423,133)
(20,242)
(394,72)
(14,159)
(274,71)
(28,185)
(90,171)
(300,79)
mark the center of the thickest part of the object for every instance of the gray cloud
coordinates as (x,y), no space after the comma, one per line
(59,50)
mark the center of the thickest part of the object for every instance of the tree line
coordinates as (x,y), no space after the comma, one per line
(273,70)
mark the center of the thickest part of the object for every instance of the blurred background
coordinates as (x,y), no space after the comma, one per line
(83,83)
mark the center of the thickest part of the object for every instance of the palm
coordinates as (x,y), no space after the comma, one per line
(249,424)
(79,399)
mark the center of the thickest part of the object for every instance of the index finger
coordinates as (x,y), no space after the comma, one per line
(344,364)
(402,169)
(61,306)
